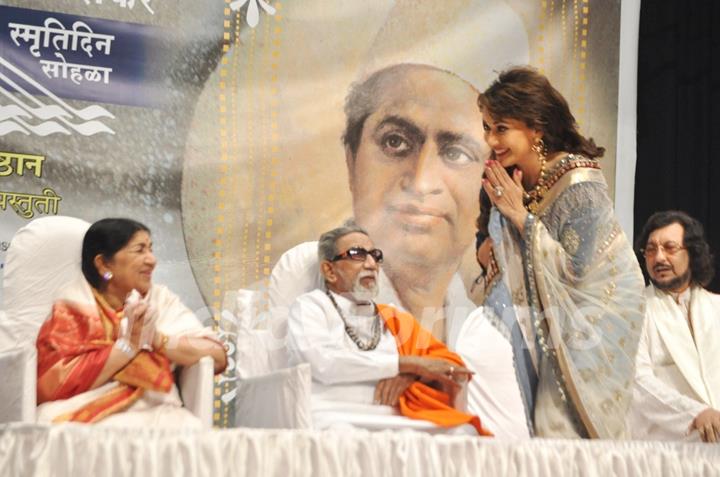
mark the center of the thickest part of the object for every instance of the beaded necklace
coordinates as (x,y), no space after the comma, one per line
(532,199)
(546,181)
(372,344)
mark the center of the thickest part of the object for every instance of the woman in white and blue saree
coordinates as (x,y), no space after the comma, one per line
(568,286)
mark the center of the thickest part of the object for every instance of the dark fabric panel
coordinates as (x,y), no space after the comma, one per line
(678,113)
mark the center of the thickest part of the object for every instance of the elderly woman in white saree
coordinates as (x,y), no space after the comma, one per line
(568,285)
(106,358)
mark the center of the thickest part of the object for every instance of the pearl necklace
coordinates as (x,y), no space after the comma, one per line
(374,341)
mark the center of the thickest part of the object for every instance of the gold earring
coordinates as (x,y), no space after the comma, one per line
(540,149)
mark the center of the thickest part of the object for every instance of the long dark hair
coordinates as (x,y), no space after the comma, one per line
(523,94)
(702,261)
(483,219)
(105,237)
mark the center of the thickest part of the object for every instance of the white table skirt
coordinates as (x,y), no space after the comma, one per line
(77,450)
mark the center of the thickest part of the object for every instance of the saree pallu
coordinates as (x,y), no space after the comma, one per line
(421,401)
(577,290)
(73,346)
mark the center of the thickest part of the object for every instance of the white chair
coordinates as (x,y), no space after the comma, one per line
(269,393)
(43,256)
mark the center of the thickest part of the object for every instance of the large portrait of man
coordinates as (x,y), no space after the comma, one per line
(415,155)
(394,96)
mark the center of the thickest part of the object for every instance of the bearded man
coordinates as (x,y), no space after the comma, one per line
(367,354)
(677,392)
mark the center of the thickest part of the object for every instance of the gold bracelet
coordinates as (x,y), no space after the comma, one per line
(163,343)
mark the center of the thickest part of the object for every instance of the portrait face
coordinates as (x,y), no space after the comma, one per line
(349,275)
(417,173)
(132,266)
(511,141)
(666,259)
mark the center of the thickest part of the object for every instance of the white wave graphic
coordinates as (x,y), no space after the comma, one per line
(45,112)
(47,128)
(44,129)
(7,127)
(57,117)
(91,127)
(9,112)
(93,112)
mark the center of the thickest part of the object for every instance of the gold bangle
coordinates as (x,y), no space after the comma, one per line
(163,343)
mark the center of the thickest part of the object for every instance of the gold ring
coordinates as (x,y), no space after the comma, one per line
(499,191)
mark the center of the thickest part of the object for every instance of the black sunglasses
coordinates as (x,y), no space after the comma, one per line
(360,254)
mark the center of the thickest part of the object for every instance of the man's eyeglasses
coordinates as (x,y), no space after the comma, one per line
(359,254)
(670,248)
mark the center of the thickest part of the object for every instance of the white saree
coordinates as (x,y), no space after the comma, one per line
(576,290)
(152,408)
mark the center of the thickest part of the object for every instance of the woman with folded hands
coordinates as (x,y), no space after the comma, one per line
(107,351)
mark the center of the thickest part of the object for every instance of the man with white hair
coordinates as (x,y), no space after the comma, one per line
(366,354)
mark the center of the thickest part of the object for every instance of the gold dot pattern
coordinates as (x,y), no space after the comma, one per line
(560,16)
(248,134)
(583,25)
(220,412)
(540,40)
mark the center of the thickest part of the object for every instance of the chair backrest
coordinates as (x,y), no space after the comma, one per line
(261,342)
(297,272)
(43,256)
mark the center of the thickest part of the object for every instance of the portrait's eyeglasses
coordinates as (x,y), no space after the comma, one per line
(359,254)
(670,248)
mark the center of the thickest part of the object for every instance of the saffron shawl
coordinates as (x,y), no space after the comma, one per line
(421,401)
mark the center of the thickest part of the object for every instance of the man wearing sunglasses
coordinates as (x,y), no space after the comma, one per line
(677,393)
(362,353)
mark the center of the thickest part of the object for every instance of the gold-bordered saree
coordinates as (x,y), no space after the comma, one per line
(577,291)
(74,344)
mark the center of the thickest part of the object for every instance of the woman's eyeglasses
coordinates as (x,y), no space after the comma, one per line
(359,254)
(670,248)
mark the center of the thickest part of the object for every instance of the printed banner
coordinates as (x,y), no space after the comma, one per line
(237,130)
(81,58)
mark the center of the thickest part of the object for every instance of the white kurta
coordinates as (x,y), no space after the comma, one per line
(340,370)
(345,377)
(677,376)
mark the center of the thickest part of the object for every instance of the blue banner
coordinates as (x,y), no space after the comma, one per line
(80,57)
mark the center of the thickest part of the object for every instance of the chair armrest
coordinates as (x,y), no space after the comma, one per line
(18,368)
(277,400)
(196,388)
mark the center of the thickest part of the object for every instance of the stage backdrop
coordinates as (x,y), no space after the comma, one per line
(218,123)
